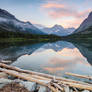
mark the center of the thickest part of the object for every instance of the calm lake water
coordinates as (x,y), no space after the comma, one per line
(54,58)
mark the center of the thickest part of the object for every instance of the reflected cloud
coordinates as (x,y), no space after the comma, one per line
(55,58)
(53,70)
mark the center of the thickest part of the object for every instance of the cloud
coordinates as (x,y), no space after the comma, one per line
(52,5)
(61,11)
(56,12)
(53,69)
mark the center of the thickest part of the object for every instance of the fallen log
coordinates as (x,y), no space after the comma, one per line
(43,79)
(80,76)
(27,77)
(38,74)
(77,85)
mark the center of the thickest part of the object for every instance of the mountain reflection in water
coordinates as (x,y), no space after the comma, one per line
(55,58)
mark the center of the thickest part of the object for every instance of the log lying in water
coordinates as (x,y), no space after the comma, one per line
(27,77)
(44,79)
(80,76)
(38,74)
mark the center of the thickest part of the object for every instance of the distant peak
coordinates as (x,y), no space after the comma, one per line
(28,22)
(57,26)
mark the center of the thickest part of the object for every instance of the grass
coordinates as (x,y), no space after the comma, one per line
(14,40)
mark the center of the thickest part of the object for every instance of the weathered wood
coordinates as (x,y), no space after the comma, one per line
(27,77)
(44,79)
(38,74)
(77,85)
(80,76)
(57,86)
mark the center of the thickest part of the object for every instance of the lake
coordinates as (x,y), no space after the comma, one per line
(53,58)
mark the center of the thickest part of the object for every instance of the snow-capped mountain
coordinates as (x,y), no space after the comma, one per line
(11,23)
(86,24)
(58,30)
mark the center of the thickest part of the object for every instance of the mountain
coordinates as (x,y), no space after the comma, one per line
(39,26)
(86,26)
(9,22)
(58,30)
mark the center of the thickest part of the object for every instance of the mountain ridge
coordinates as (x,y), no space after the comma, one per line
(85,25)
(58,30)
(9,21)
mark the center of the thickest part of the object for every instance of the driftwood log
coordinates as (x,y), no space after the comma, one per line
(36,73)
(80,76)
(56,85)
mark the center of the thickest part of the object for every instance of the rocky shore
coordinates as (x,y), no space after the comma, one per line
(18,85)
(14,79)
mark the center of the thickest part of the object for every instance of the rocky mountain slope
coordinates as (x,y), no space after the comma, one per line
(9,22)
(86,26)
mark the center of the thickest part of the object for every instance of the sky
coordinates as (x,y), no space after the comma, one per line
(68,13)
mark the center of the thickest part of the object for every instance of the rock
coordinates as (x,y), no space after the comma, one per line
(42,89)
(71,90)
(66,89)
(3,75)
(85,91)
(31,86)
(13,87)
(4,81)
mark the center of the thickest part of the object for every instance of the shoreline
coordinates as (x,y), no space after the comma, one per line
(39,81)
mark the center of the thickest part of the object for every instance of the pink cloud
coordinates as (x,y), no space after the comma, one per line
(61,11)
(53,5)
(56,11)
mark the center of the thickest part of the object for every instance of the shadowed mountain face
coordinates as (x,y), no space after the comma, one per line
(6,14)
(9,22)
(86,26)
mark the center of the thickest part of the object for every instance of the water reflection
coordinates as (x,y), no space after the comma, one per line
(56,58)
(12,53)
